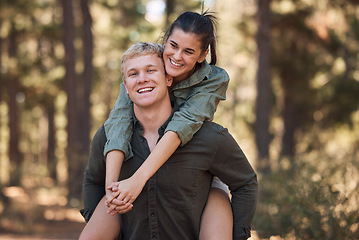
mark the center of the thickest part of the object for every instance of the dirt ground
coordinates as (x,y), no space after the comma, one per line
(42,213)
(67,231)
(38,213)
(49,230)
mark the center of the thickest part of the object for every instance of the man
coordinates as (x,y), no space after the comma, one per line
(171,203)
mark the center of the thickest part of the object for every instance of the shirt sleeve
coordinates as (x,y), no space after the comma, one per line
(232,167)
(198,106)
(94,177)
(118,126)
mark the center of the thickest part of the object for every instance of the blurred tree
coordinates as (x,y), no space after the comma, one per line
(87,51)
(13,78)
(2,80)
(263,101)
(48,62)
(73,145)
(313,50)
(295,50)
(339,98)
(170,9)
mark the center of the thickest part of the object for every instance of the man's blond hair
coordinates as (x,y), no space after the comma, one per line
(141,49)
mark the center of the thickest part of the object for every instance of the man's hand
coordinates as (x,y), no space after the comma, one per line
(111,192)
(118,206)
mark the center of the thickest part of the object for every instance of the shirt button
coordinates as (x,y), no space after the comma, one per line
(152,214)
(151,190)
(154,237)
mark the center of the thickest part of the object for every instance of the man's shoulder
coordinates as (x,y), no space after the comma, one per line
(211,129)
(214,125)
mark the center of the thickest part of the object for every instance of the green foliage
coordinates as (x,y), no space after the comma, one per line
(308,203)
(340,99)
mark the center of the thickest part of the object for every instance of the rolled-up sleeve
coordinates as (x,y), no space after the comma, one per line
(94,177)
(118,126)
(198,103)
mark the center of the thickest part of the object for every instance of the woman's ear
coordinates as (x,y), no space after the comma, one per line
(169,80)
(203,56)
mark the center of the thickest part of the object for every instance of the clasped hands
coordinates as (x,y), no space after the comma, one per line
(121,195)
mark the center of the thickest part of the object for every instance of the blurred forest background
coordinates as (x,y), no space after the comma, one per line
(292,104)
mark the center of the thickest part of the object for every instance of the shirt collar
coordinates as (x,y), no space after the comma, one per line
(161,131)
(197,77)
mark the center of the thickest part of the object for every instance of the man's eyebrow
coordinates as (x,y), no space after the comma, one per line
(147,65)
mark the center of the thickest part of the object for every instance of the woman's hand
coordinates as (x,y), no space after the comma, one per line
(129,189)
(126,192)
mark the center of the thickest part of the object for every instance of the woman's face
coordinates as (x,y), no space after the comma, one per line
(182,52)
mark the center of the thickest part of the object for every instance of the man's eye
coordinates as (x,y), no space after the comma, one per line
(132,74)
(151,70)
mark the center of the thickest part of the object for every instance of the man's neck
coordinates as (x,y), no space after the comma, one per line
(151,120)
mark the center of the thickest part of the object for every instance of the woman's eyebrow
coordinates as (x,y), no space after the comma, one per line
(187,49)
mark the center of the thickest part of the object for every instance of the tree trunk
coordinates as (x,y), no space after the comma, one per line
(14,153)
(70,87)
(290,88)
(263,105)
(84,125)
(289,116)
(51,158)
(170,5)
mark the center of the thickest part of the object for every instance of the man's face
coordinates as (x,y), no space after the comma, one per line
(145,80)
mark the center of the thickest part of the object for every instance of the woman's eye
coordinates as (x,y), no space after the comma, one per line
(173,45)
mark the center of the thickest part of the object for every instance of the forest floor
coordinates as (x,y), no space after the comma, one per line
(43,213)
(49,230)
(38,210)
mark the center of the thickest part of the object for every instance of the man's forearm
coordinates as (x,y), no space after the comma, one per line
(92,194)
(244,201)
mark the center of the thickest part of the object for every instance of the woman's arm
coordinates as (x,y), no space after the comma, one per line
(118,126)
(198,104)
(130,188)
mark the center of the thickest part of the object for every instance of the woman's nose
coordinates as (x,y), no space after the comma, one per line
(177,55)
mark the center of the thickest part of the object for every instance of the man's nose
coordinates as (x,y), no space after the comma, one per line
(143,77)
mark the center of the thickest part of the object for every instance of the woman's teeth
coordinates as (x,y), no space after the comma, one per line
(174,63)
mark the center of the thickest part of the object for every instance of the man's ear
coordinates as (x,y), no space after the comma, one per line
(169,80)
(124,83)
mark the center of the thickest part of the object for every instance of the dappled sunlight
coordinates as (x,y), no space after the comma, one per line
(63,214)
(16,193)
(39,200)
